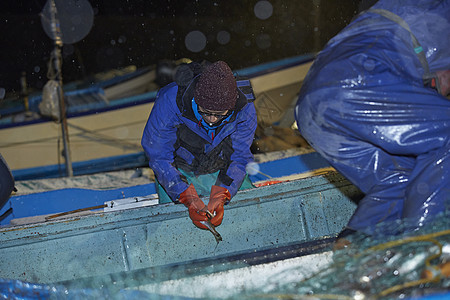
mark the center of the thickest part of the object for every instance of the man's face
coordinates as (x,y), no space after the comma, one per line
(212,116)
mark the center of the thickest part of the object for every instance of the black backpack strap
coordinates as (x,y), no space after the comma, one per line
(245,86)
(186,72)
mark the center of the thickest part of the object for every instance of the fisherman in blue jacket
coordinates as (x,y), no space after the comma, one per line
(375,105)
(198,139)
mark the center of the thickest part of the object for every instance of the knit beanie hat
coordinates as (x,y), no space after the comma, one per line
(216,88)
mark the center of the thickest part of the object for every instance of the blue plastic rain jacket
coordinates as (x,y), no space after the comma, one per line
(364,107)
(174,138)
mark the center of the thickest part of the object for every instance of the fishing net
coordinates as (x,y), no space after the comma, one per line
(402,267)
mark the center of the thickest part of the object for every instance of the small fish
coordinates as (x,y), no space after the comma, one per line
(213,230)
(211,227)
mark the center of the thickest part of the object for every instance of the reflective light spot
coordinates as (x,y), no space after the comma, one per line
(422,188)
(223,37)
(252,168)
(263,10)
(195,41)
(369,64)
(365,279)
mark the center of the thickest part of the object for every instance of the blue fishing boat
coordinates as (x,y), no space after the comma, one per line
(118,238)
(276,240)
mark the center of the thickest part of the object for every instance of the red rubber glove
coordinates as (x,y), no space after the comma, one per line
(196,207)
(218,197)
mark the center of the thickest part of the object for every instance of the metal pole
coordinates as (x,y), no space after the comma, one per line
(56,30)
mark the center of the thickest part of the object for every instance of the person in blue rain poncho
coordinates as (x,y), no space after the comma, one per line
(375,105)
(198,139)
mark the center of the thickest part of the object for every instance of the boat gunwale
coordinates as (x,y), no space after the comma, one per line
(72,226)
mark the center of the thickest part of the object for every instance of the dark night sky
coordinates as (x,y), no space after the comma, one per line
(139,32)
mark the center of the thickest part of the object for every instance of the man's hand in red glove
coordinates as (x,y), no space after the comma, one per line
(196,207)
(218,197)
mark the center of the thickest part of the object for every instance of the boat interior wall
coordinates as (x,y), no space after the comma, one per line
(286,76)
(116,132)
(107,134)
(36,145)
(138,85)
(107,243)
(272,104)
(276,92)
(277,65)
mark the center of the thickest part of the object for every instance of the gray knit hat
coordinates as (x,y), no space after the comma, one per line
(216,88)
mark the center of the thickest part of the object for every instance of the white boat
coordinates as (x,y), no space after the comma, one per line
(107,132)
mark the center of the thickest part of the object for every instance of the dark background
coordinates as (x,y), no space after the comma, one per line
(141,33)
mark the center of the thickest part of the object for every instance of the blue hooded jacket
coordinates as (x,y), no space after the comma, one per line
(365,108)
(174,138)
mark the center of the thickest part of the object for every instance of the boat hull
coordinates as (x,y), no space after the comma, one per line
(107,243)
